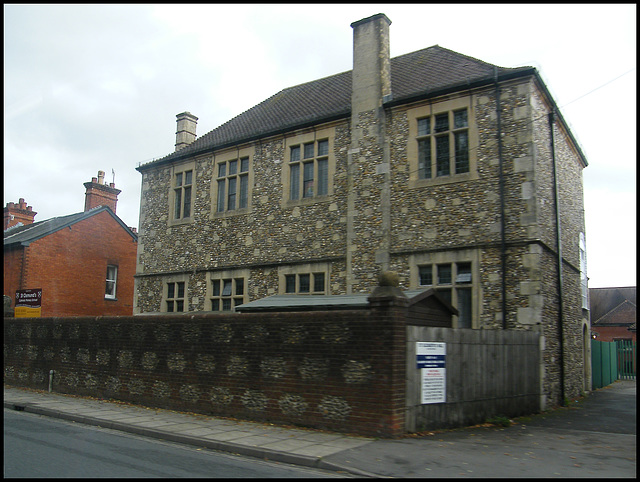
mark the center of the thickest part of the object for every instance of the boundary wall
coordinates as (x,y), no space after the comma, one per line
(347,371)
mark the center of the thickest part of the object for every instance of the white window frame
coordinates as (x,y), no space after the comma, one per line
(113,280)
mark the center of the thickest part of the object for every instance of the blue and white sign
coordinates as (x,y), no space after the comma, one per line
(431,361)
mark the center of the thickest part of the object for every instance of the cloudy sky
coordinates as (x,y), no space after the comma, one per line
(97,87)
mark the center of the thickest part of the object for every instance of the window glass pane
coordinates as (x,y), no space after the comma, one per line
(187,178)
(290,283)
(318,281)
(446,295)
(187,202)
(215,305)
(226,288)
(178,180)
(323,148)
(464,308)
(295,154)
(462,151)
(424,158)
(170,306)
(233,167)
(237,301)
(178,204)
(464,273)
(444,274)
(295,181)
(239,286)
(215,287)
(244,164)
(222,170)
(442,122)
(181,289)
(244,191)
(460,119)
(426,275)
(308,151)
(226,304)
(110,289)
(424,126)
(442,156)
(307,187)
(304,280)
(231,197)
(171,290)
(323,177)
(179,305)
(221,195)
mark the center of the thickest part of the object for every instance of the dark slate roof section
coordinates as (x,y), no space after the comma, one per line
(25,235)
(356,301)
(431,71)
(622,315)
(603,300)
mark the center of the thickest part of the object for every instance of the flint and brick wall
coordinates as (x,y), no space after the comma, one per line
(342,371)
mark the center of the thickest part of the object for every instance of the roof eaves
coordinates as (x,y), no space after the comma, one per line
(187,153)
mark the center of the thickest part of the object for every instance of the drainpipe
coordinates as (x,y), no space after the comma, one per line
(559,248)
(503,244)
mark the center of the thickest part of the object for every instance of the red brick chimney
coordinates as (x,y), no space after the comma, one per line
(18,213)
(100,194)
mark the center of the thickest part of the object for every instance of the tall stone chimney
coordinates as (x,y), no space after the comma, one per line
(100,194)
(186,132)
(368,159)
(371,80)
(18,213)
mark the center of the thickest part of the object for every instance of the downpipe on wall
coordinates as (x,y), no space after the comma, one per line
(556,199)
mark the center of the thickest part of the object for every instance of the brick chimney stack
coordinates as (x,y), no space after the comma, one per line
(186,132)
(18,213)
(100,194)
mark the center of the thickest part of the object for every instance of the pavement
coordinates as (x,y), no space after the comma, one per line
(594,437)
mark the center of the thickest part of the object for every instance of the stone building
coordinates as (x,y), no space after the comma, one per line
(457,174)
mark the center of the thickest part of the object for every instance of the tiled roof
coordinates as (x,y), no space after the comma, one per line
(603,300)
(622,315)
(325,302)
(24,235)
(417,74)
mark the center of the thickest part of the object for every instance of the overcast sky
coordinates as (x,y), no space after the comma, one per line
(97,87)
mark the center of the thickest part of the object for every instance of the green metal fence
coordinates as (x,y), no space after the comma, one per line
(604,363)
(626,350)
(611,361)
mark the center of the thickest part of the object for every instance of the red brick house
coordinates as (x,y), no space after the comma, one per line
(613,313)
(84,262)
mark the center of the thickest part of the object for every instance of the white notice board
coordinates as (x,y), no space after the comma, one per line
(431,360)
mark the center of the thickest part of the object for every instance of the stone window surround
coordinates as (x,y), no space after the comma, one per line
(447,257)
(235,153)
(431,109)
(227,274)
(177,169)
(302,138)
(307,268)
(174,279)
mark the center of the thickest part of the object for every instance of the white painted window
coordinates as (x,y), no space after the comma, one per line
(112,278)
